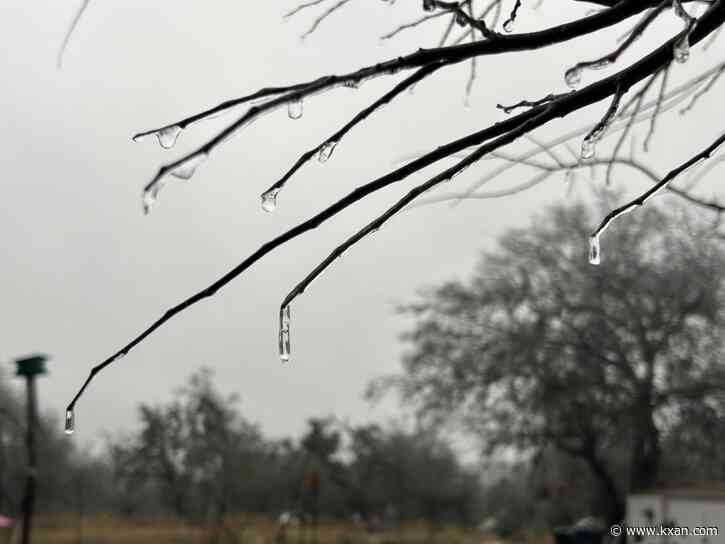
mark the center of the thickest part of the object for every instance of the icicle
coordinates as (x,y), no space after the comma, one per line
(595,253)
(326,151)
(187,168)
(284,338)
(573,76)
(508,26)
(269,199)
(294,108)
(588,148)
(69,422)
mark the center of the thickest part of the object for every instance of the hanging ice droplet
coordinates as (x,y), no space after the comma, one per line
(461,19)
(187,168)
(595,253)
(681,50)
(589,148)
(326,151)
(150,194)
(428,5)
(351,83)
(148,200)
(294,108)
(167,136)
(573,76)
(69,422)
(284,337)
(269,199)
(508,26)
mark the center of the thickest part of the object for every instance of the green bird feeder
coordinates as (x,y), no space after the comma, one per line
(31,365)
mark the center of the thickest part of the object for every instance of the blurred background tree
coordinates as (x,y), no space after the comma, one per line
(540,349)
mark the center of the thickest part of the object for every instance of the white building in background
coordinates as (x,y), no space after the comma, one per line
(682,514)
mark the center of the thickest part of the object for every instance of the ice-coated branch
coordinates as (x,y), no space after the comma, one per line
(379,221)
(573,74)
(526,103)
(637,100)
(486,140)
(670,100)
(325,149)
(293,95)
(642,199)
(597,133)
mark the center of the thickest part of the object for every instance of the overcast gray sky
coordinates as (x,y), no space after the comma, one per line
(83,270)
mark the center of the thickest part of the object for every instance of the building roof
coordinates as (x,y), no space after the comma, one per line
(688,490)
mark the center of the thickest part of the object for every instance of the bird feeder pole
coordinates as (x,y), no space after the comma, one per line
(29,368)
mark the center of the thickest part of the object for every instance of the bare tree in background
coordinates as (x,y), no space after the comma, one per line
(538,350)
(476,29)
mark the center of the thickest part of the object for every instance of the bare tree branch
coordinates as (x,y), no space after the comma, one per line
(486,140)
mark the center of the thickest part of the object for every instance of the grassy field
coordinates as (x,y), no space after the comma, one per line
(236,530)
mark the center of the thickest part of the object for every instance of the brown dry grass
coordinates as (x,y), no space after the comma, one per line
(106,529)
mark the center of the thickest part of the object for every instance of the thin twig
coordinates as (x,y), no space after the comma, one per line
(658,106)
(71,29)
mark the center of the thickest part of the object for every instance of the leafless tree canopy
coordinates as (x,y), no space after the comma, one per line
(476,29)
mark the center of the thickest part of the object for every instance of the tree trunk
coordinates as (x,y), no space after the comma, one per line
(615,509)
(645,451)
(613,501)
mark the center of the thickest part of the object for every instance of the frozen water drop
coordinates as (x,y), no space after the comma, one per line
(573,76)
(428,5)
(508,26)
(681,51)
(69,422)
(167,136)
(269,200)
(284,333)
(187,168)
(595,253)
(294,108)
(461,19)
(150,194)
(589,149)
(326,151)
(148,200)
(351,83)
(599,65)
